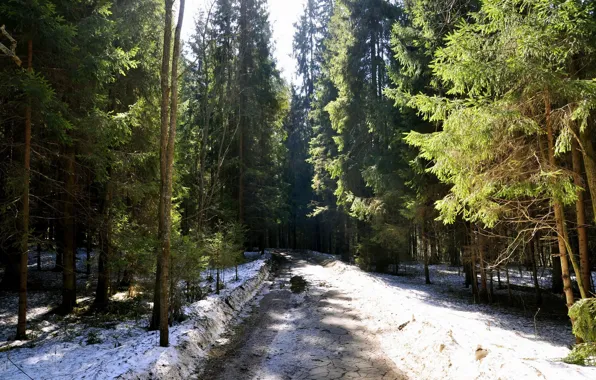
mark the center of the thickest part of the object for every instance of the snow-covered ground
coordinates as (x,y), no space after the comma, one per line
(431,332)
(127,349)
(44,293)
(517,277)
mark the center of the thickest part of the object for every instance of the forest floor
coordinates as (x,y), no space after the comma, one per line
(43,296)
(106,346)
(341,323)
(352,324)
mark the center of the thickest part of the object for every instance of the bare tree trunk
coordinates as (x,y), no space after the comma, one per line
(432,240)
(589,156)
(244,56)
(89,248)
(481,246)
(166,190)
(559,216)
(557,280)
(69,273)
(89,237)
(217,281)
(39,256)
(532,253)
(580,211)
(509,295)
(163,146)
(24,246)
(105,252)
(474,276)
(425,248)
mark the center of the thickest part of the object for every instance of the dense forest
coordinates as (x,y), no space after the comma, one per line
(457,132)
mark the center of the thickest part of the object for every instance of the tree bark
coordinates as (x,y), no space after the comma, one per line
(481,245)
(589,156)
(426,252)
(580,212)
(105,252)
(559,216)
(557,280)
(509,294)
(163,146)
(69,273)
(166,193)
(24,246)
(244,51)
(39,256)
(89,242)
(532,252)
(474,276)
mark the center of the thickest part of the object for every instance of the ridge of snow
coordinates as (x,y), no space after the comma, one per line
(128,350)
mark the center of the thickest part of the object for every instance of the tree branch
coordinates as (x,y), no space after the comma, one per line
(13,46)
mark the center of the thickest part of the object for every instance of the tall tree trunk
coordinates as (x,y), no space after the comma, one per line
(425,248)
(474,276)
(589,156)
(481,246)
(432,239)
(559,215)
(69,272)
(582,233)
(243,73)
(414,253)
(557,280)
(532,253)
(89,248)
(105,251)
(24,246)
(59,239)
(163,146)
(345,254)
(166,191)
(509,294)
(39,256)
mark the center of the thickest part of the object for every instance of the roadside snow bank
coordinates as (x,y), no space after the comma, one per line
(128,351)
(431,334)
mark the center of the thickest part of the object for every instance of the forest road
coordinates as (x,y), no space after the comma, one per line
(298,334)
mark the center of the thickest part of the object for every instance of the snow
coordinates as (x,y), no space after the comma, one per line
(428,331)
(431,332)
(44,293)
(127,349)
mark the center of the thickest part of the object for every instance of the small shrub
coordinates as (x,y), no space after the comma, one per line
(583,313)
(93,338)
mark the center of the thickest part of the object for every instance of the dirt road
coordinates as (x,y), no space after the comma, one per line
(300,334)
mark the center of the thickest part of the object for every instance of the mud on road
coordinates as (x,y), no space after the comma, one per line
(312,333)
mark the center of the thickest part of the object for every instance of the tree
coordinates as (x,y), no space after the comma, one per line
(169,112)
(32,90)
(24,244)
(498,111)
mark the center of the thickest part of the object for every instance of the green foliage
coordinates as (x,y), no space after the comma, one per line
(225,246)
(583,314)
(582,354)
(498,71)
(93,338)
(233,96)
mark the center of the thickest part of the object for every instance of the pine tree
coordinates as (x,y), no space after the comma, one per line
(499,111)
